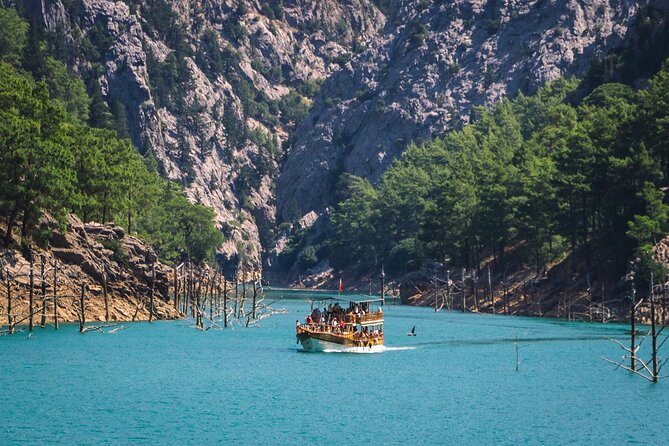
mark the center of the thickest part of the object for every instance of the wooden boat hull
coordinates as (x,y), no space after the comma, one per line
(326,342)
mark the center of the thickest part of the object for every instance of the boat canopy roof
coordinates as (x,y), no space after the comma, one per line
(314,295)
(344,298)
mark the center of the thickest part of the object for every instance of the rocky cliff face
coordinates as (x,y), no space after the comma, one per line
(200,84)
(217,90)
(435,62)
(90,254)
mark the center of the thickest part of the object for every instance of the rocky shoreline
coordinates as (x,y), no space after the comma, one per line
(91,257)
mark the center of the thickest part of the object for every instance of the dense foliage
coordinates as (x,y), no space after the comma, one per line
(537,173)
(52,160)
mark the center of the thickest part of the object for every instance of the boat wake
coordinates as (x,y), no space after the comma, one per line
(367,350)
(393,349)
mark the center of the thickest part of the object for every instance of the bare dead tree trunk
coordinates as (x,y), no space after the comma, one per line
(225,302)
(475,289)
(436,294)
(211,297)
(653,333)
(10,319)
(241,307)
(464,296)
(633,328)
(31,292)
(490,287)
(505,288)
(198,312)
(104,291)
(176,287)
(664,304)
(82,308)
(42,322)
(236,295)
(184,290)
(153,286)
(55,294)
(449,301)
(490,290)
(603,307)
(255,292)
(218,294)
(191,287)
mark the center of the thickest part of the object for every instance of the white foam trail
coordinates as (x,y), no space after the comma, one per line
(363,350)
(390,349)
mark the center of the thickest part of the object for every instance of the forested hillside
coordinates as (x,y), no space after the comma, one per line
(55,158)
(538,173)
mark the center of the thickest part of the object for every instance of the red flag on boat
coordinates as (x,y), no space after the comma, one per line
(341,286)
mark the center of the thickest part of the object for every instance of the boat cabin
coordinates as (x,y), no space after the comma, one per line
(357,323)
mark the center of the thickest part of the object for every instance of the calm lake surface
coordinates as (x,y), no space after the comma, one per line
(454,383)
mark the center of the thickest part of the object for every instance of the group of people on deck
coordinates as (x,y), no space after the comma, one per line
(334,318)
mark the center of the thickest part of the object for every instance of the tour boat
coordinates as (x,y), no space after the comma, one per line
(355,328)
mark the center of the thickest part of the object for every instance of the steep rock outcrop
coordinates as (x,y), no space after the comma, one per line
(275,47)
(84,254)
(435,63)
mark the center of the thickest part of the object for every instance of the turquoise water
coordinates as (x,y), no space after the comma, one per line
(454,383)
